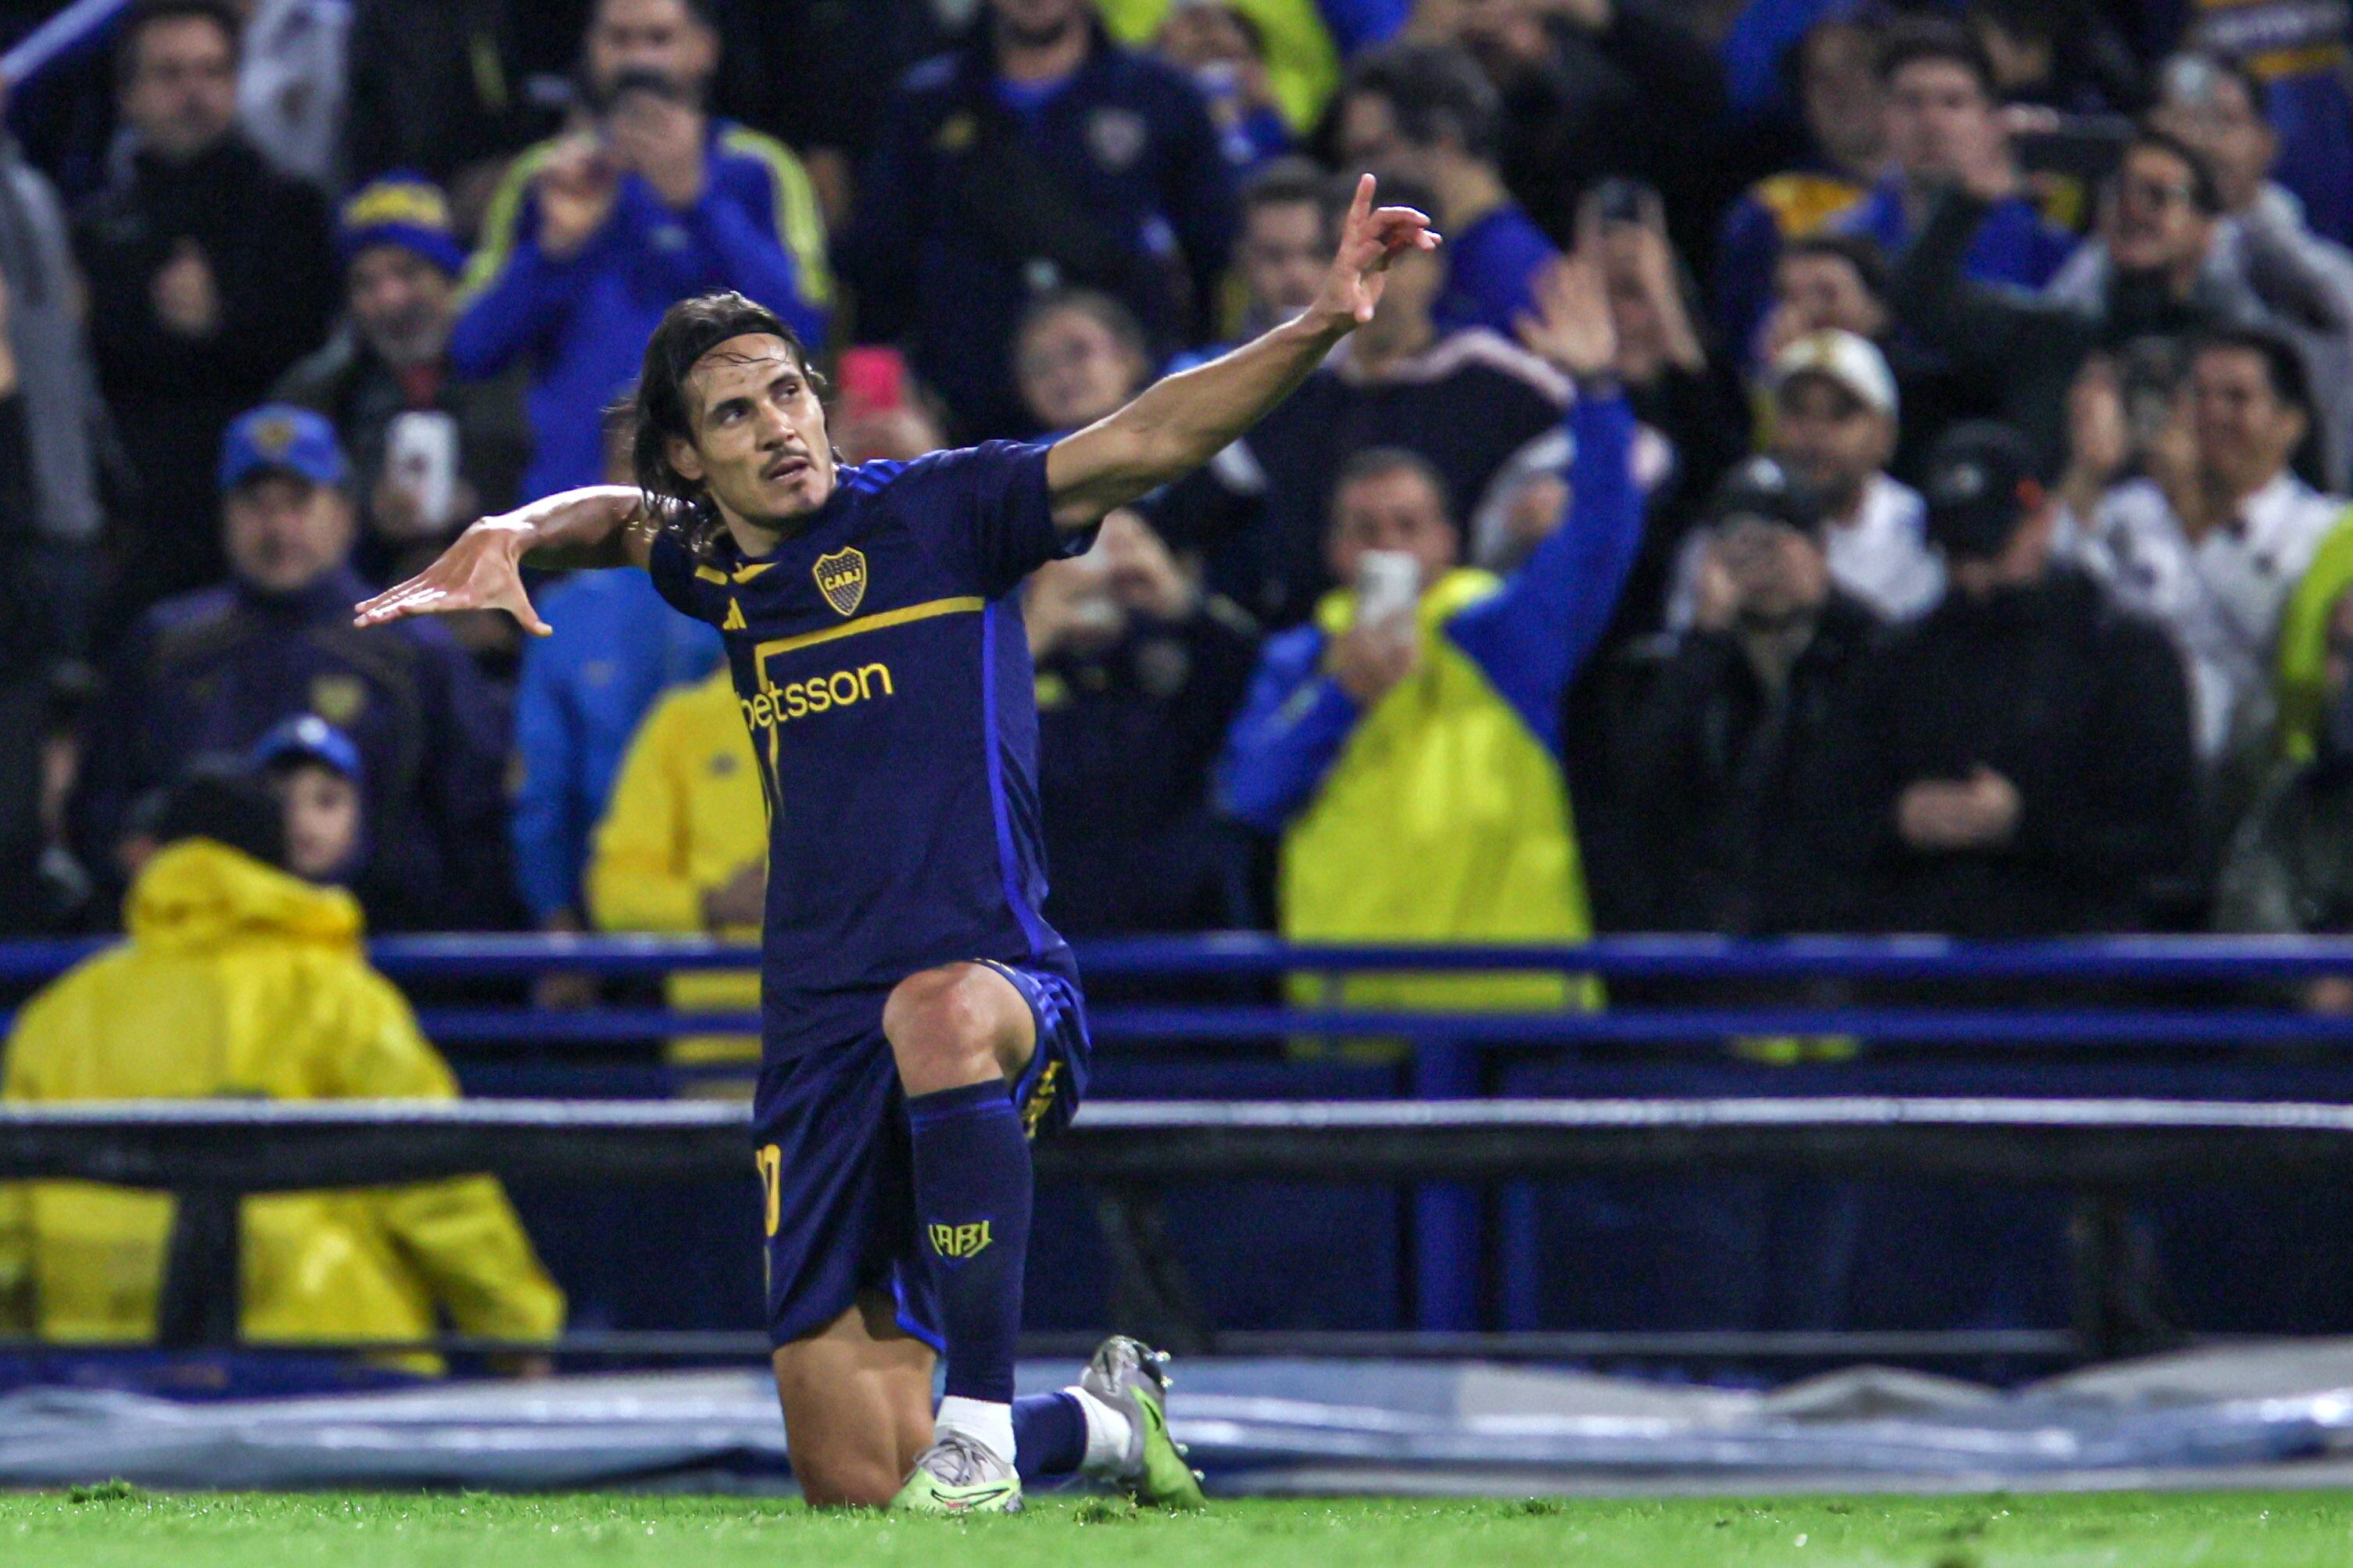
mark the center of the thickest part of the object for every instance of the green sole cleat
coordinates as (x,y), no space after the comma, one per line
(1131,1377)
(955,1477)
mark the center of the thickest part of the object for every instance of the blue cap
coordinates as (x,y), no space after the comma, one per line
(401,208)
(307,738)
(280,436)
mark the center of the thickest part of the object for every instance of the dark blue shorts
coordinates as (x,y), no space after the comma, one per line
(830,1130)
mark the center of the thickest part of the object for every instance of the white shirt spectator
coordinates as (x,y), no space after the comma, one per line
(2219,596)
(1880,557)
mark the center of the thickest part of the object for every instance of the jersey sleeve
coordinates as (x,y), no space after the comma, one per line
(674,577)
(989,515)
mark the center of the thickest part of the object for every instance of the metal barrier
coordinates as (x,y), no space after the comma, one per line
(212,1153)
(1450,1053)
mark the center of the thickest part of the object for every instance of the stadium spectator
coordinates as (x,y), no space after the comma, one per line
(2064,56)
(1944,125)
(1730,742)
(820,75)
(646,200)
(313,770)
(446,88)
(290,85)
(2211,549)
(1040,155)
(2019,760)
(682,847)
(1694,416)
(1139,672)
(1425,110)
(52,387)
(2290,869)
(1404,745)
(1302,42)
(214,670)
(2147,278)
(1223,50)
(1078,356)
(613,648)
(1285,235)
(2297,52)
(1835,416)
(384,380)
(37,665)
(241,981)
(209,274)
(1836,66)
(1466,403)
(2216,109)
(1596,87)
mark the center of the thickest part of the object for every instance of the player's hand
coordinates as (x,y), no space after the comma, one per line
(1370,239)
(481,570)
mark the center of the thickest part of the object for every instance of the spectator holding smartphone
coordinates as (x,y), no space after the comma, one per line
(645,201)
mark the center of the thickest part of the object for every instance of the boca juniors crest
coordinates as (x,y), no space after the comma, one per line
(841,578)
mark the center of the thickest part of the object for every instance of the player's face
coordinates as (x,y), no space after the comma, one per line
(401,302)
(284,532)
(323,820)
(760,443)
(1395,508)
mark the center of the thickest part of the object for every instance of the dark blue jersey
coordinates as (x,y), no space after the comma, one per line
(885,677)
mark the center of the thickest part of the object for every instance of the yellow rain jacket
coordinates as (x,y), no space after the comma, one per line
(240,981)
(686,816)
(1444,819)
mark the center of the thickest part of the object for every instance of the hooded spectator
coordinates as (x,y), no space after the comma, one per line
(242,982)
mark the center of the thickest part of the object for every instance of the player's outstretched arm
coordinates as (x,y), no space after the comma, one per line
(1178,424)
(604,525)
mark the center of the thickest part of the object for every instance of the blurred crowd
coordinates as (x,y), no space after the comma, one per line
(1851,467)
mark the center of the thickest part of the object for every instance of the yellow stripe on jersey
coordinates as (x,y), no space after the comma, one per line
(964,605)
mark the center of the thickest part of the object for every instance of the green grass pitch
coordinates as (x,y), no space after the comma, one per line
(106,1526)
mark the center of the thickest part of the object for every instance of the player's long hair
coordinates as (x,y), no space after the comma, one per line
(690,330)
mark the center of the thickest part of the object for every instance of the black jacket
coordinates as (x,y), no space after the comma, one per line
(272,258)
(2082,706)
(1730,803)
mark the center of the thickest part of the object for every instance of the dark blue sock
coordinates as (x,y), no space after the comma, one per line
(973,1196)
(1050,1436)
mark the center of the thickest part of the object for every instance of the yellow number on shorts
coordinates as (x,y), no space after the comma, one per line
(771,1161)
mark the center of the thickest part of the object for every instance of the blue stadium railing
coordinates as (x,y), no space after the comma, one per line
(1450,1053)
